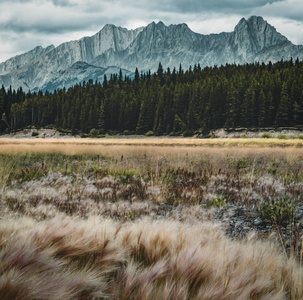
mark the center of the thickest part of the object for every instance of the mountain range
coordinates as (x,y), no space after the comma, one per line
(114,48)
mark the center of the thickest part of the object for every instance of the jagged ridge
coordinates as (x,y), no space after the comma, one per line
(252,40)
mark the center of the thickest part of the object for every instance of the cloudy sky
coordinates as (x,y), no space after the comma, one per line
(25,24)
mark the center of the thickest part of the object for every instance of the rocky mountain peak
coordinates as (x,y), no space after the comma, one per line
(161,24)
(108,27)
(241,25)
(255,34)
(256,20)
(115,47)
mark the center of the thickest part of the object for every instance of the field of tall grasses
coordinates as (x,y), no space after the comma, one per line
(120,219)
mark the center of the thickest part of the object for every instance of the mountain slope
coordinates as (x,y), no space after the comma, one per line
(79,72)
(21,60)
(252,40)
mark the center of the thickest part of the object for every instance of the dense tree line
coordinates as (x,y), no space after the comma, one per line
(166,102)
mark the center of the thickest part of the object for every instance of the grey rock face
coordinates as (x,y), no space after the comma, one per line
(21,60)
(252,40)
(79,72)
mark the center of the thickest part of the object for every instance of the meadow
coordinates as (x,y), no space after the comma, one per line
(151,218)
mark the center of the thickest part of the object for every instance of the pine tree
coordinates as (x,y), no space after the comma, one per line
(282,117)
(247,114)
(179,125)
(120,80)
(142,122)
(231,103)
(262,113)
(190,118)
(137,77)
(105,84)
(270,110)
(160,74)
(158,124)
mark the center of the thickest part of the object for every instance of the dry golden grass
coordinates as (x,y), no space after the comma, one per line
(149,141)
(155,147)
(102,259)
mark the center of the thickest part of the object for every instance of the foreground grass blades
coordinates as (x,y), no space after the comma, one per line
(79,259)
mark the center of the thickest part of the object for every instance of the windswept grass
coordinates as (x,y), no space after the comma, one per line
(81,259)
(129,221)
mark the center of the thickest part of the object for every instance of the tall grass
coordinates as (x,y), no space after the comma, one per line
(81,259)
(92,221)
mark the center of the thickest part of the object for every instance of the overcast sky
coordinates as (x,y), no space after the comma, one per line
(25,24)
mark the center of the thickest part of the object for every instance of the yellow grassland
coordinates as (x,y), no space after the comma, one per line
(151,146)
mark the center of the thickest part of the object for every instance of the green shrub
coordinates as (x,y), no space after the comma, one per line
(277,211)
(150,133)
(93,133)
(266,136)
(282,137)
(35,133)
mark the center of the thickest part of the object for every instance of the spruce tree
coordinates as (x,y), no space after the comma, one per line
(282,117)
(142,122)
(179,125)
(137,77)
(262,112)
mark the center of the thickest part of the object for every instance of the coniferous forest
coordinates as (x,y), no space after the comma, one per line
(175,102)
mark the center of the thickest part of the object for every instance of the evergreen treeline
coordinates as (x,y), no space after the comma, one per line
(167,102)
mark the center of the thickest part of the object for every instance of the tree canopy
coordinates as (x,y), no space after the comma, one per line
(166,102)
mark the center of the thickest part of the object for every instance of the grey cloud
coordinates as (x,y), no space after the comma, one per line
(62,3)
(283,10)
(49,28)
(223,6)
(17,1)
(189,6)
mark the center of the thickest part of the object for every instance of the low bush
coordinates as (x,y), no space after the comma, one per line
(93,133)
(150,133)
(266,136)
(277,211)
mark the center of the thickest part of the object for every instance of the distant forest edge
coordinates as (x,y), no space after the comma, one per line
(168,102)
